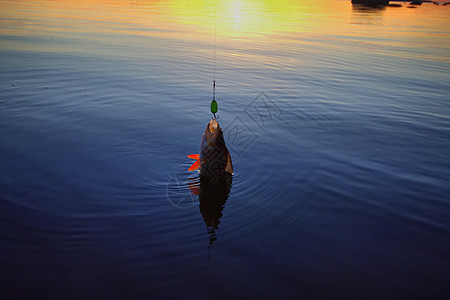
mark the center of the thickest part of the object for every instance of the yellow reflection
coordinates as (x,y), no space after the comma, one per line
(248,18)
(196,20)
(237,21)
(236,10)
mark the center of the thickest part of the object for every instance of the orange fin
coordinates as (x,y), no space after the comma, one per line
(194,156)
(195,165)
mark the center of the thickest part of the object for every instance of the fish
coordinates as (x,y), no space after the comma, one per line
(214,159)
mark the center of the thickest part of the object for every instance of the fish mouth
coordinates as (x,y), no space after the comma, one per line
(213,126)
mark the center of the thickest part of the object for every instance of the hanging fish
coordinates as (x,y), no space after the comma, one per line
(214,158)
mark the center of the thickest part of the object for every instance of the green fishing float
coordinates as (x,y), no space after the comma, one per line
(214,107)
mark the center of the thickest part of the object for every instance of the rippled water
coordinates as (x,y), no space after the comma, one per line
(338,122)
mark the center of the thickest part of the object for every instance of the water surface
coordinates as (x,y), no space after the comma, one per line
(338,122)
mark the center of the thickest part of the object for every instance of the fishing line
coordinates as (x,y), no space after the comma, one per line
(214,106)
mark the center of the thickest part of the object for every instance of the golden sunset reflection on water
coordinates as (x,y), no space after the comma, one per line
(240,26)
(233,19)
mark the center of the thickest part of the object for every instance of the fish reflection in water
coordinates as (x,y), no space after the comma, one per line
(212,195)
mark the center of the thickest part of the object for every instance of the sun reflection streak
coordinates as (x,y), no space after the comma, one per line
(237,13)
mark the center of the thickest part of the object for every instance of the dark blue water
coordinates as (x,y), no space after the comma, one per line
(337,119)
